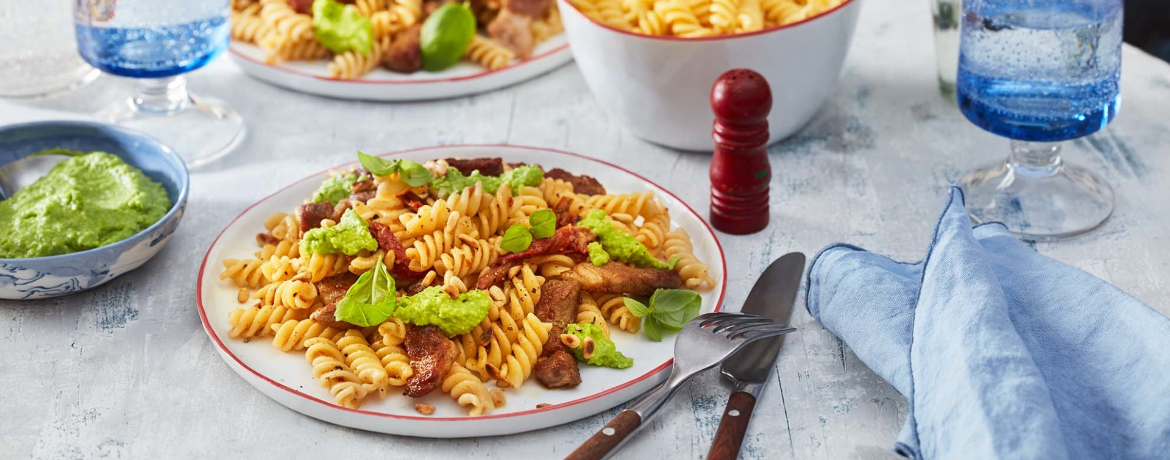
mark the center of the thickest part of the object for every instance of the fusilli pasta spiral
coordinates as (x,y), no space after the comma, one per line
(468,390)
(330,369)
(695,274)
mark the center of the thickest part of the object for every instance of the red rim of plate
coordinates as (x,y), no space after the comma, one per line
(300,73)
(223,349)
(713,38)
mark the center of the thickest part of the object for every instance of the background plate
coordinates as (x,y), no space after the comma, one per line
(383,85)
(286,378)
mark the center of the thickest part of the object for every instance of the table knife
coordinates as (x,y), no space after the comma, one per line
(606,442)
(772,297)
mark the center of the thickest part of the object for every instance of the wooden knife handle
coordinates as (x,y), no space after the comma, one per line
(732,427)
(606,440)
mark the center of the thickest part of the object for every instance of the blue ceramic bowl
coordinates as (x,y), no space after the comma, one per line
(43,277)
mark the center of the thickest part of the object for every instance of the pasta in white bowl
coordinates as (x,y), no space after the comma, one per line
(259,313)
(658,86)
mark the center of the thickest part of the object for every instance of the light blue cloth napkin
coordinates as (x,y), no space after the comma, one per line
(1001,352)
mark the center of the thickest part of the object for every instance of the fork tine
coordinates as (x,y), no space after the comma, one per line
(753,333)
(728,327)
(718,318)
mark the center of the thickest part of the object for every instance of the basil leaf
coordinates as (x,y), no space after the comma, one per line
(673,321)
(636,308)
(414,174)
(516,239)
(377,166)
(652,328)
(673,300)
(370,300)
(543,223)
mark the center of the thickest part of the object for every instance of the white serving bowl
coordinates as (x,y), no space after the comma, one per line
(659,87)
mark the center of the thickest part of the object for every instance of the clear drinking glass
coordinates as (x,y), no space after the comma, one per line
(946,43)
(156,41)
(1039,72)
(38,58)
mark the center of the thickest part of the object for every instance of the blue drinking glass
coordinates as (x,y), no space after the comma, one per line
(156,42)
(1039,72)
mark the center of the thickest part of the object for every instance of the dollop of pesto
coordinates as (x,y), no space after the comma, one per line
(85,202)
(341,27)
(455,181)
(433,307)
(350,236)
(620,245)
(597,254)
(605,353)
(335,188)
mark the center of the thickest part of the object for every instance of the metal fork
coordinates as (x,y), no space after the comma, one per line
(704,342)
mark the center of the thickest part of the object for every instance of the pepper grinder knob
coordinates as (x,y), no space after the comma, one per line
(740,173)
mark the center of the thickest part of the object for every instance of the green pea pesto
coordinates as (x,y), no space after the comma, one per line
(520,176)
(85,202)
(341,27)
(350,236)
(433,307)
(335,188)
(620,245)
(597,254)
(605,353)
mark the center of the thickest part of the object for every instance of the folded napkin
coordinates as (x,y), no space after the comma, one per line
(1001,352)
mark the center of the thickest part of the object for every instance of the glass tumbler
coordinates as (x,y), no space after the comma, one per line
(1040,72)
(156,42)
(38,56)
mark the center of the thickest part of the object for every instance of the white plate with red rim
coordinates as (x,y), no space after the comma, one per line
(463,79)
(286,378)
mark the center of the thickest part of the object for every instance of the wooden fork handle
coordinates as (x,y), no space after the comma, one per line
(602,443)
(729,436)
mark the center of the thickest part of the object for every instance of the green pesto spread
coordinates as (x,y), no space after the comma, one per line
(620,245)
(520,176)
(597,254)
(85,202)
(605,353)
(350,236)
(341,27)
(336,188)
(433,307)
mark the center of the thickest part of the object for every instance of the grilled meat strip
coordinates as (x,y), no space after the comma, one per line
(619,278)
(389,243)
(310,215)
(582,184)
(566,240)
(405,53)
(556,368)
(485,166)
(514,31)
(431,356)
(331,290)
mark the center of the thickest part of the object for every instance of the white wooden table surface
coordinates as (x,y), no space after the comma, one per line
(126,371)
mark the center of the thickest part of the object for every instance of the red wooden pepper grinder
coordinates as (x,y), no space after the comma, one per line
(740,173)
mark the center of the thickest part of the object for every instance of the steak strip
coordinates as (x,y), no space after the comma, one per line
(389,243)
(331,290)
(619,278)
(566,240)
(431,356)
(582,185)
(310,215)
(556,368)
(485,166)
